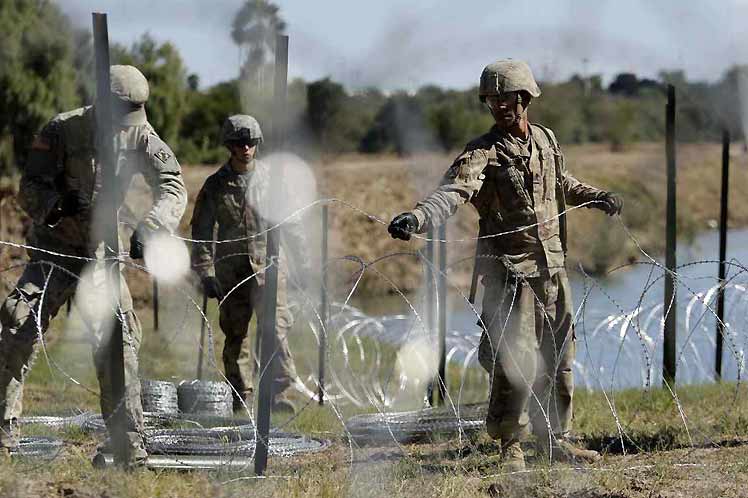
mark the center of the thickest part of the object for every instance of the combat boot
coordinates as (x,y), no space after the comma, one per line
(564,451)
(512,457)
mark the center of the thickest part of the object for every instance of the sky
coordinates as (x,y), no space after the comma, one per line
(395,44)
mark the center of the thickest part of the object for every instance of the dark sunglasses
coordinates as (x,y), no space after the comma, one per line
(242,142)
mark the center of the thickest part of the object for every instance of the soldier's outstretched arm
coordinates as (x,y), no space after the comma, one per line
(460,183)
(38,194)
(164,175)
(203,221)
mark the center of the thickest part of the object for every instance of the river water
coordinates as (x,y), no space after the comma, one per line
(618,320)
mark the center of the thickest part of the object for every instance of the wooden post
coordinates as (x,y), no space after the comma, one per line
(323,308)
(670,309)
(722,254)
(107,208)
(268,356)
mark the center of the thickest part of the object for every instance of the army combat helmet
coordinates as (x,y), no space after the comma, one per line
(504,76)
(129,94)
(241,127)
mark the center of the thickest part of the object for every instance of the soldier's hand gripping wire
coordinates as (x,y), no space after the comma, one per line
(403,226)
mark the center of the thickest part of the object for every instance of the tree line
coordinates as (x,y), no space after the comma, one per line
(46,67)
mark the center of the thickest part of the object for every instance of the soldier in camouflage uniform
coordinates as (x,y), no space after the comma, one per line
(59,190)
(516,178)
(231,200)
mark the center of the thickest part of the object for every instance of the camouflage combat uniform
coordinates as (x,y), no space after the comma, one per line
(62,161)
(527,345)
(230,200)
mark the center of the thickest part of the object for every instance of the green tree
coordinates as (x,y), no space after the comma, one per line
(254,29)
(400,126)
(37,79)
(201,125)
(163,67)
(325,102)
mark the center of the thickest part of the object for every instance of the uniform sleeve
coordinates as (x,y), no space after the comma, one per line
(460,183)
(38,194)
(164,175)
(203,222)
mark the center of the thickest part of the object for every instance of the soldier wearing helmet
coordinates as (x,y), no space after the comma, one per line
(516,178)
(59,191)
(234,274)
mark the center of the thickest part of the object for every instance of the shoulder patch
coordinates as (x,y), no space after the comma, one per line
(163,155)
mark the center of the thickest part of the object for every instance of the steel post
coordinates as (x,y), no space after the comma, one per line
(670,303)
(429,318)
(107,209)
(722,254)
(442,310)
(269,299)
(323,307)
(201,350)
(155,304)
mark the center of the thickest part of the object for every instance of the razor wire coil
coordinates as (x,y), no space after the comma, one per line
(159,396)
(205,397)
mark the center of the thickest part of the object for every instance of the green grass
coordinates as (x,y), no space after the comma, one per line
(658,442)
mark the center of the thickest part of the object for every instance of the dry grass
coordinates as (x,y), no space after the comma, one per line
(386,186)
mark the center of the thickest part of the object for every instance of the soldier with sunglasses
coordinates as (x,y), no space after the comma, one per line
(516,178)
(231,202)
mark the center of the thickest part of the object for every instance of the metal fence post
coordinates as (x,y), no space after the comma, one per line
(722,254)
(155,304)
(107,208)
(429,319)
(442,318)
(671,302)
(269,299)
(323,315)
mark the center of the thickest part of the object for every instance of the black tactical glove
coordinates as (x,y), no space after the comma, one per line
(403,225)
(137,243)
(612,203)
(211,287)
(68,205)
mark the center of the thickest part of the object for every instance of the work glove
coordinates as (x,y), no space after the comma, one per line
(403,225)
(211,287)
(611,204)
(68,205)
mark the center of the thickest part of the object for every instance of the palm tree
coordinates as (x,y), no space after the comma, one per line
(254,29)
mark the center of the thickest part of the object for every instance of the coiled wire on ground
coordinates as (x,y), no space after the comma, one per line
(227,442)
(416,425)
(56,422)
(159,396)
(205,397)
(38,447)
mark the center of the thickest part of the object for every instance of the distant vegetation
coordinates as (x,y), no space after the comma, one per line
(46,68)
